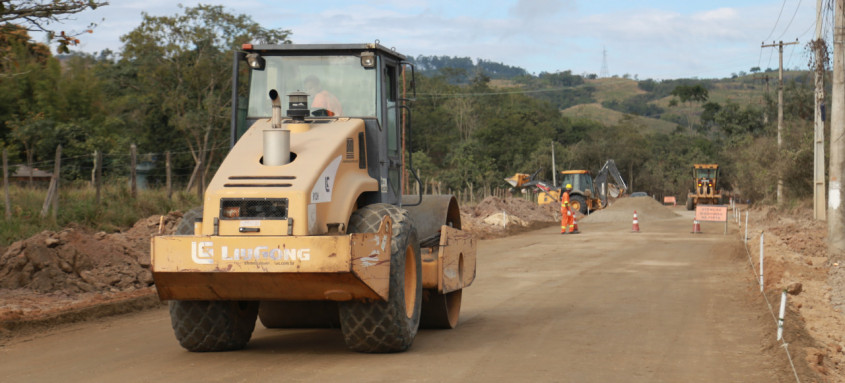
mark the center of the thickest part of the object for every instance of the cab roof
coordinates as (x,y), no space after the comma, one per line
(306,49)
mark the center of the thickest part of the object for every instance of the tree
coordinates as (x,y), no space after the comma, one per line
(36,15)
(183,65)
(690,94)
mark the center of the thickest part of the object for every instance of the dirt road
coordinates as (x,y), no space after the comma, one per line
(603,306)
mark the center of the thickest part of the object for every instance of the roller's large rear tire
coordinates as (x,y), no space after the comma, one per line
(202,326)
(387,326)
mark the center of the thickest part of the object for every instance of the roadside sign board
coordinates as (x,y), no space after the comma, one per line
(712,213)
(668,200)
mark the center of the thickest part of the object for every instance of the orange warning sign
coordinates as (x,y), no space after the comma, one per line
(668,200)
(711,213)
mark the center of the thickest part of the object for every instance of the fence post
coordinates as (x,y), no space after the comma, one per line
(133,185)
(94,170)
(98,180)
(761,262)
(57,171)
(6,184)
(782,313)
(169,182)
(53,189)
(199,179)
(746,227)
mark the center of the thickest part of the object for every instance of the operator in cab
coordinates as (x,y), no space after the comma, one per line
(324,102)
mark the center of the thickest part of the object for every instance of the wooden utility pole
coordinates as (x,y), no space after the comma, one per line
(780,45)
(836,220)
(819,208)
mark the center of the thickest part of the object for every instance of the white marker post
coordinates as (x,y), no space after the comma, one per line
(746,226)
(782,313)
(761,262)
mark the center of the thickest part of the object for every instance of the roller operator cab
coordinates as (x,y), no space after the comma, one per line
(305,223)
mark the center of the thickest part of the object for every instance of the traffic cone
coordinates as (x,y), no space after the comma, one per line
(574,226)
(636,227)
(696,227)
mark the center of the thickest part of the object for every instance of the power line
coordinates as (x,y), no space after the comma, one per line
(776,22)
(790,20)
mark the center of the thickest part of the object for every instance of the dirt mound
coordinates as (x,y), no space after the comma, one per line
(496,217)
(622,210)
(77,261)
(519,208)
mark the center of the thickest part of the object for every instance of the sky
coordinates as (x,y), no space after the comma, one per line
(659,39)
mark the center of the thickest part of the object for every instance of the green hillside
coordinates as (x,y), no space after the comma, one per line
(606,116)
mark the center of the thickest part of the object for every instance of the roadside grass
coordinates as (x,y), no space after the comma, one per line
(116,211)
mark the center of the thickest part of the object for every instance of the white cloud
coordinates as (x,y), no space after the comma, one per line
(539,35)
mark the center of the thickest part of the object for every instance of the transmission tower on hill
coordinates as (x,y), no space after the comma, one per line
(604,71)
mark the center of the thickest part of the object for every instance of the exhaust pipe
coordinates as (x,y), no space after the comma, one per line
(276,139)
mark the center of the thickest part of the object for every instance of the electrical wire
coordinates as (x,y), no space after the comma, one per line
(790,20)
(776,21)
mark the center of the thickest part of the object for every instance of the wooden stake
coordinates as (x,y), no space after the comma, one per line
(169,183)
(53,189)
(199,179)
(6,184)
(133,183)
(57,174)
(98,179)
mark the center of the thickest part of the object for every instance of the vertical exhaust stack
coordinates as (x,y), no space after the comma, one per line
(276,139)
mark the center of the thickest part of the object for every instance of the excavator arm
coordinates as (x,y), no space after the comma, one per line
(602,185)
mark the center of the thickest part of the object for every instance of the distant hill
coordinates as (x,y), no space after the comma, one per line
(462,69)
(608,100)
(606,116)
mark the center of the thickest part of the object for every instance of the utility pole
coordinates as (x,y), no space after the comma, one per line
(780,45)
(835,224)
(819,208)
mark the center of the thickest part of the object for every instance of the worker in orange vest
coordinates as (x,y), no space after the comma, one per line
(567,217)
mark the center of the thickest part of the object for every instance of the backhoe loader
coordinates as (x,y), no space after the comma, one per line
(305,224)
(587,194)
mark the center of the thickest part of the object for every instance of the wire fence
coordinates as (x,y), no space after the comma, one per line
(170,170)
(778,320)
